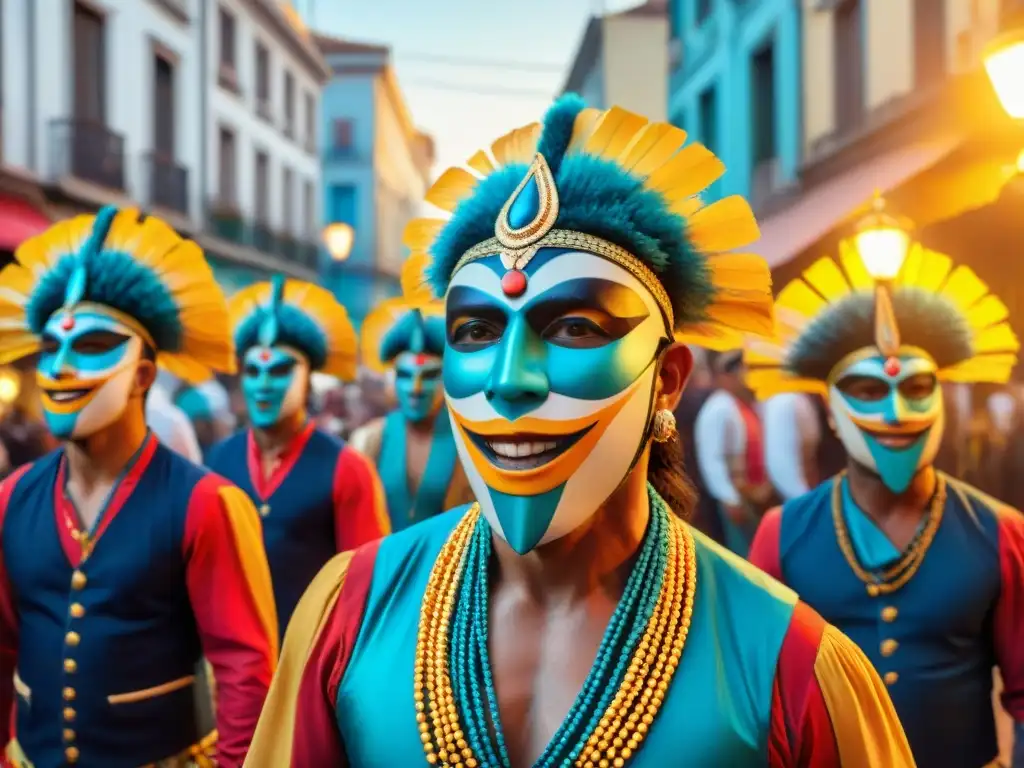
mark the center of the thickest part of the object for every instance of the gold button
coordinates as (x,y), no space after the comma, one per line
(78,580)
(889,613)
(77,610)
(873,590)
(69,735)
(70,666)
(889,647)
(72,638)
(71,754)
(69,694)
(264,510)
(69,714)
(891,678)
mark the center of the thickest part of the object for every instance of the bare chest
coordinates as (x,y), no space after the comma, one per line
(89,504)
(417,452)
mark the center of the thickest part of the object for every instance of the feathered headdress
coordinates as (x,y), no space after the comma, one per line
(135,265)
(412,322)
(613,184)
(300,315)
(828,314)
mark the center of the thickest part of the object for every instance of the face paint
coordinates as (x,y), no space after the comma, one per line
(86,371)
(889,415)
(550,391)
(417,384)
(275,380)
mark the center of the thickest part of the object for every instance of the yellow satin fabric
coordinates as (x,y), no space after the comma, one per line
(868,732)
(275,733)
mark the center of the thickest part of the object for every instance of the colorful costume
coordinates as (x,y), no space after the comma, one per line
(566,273)
(933,618)
(101,630)
(322,497)
(406,336)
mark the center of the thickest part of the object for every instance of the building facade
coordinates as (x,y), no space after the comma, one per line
(623,60)
(735,86)
(376,169)
(128,101)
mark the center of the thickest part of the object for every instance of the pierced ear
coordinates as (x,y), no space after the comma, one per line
(674,372)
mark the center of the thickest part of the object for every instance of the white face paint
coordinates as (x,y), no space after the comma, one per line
(550,392)
(275,383)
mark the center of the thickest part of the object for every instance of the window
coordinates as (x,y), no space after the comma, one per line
(849,65)
(762,108)
(287,182)
(703,10)
(262,81)
(309,206)
(90,66)
(227,39)
(289,105)
(262,187)
(311,122)
(163,107)
(929,42)
(708,117)
(343,204)
(227,183)
(342,138)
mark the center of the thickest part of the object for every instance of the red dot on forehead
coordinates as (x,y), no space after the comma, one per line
(421,359)
(892,367)
(513,283)
(265,355)
(68,322)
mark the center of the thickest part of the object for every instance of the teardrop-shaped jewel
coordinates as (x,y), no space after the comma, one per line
(531,210)
(526,205)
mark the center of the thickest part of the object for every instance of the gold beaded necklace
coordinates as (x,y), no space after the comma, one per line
(898,575)
(641,693)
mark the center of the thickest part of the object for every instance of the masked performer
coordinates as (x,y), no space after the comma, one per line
(922,571)
(571,617)
(121,562)
(316,496)
(413,447)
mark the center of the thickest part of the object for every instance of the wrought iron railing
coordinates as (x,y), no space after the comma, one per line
(87,150)
(166,182)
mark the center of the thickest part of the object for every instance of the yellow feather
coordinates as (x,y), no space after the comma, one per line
(642,143)
(989,369)
(998,338)
(687,206)
(760,351)
(451,188)
(630,126)
(606,129)
(858,275)
(827,279)
(724,225)
(935,267)
(420,234)
(16,345)
(415,288)
(17,283)
(798,297)
(911,268)
(964,288)
(693,169)
(711,336)
(668,143)
(746,316)
(768,382)
(989,311)
(375,326)
(524,144)
(583,128)
(41,252)
(481,163)
(184,368)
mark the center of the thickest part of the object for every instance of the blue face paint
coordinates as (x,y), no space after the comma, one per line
(274,382)
(417,384)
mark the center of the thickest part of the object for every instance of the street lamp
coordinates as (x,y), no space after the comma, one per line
(1004,63)
(883,242)
(338,239)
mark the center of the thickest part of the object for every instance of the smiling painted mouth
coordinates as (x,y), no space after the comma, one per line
(896,441)
(67,395)
(524,451)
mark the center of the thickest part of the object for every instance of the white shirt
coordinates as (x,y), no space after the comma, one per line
(171,426)
(790,425)
(719,434)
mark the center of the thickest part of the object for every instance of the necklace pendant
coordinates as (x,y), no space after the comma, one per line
(264,510)
(874,590)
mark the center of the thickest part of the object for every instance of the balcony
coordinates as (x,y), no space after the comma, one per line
(88,151)
(225,222)
(166,182)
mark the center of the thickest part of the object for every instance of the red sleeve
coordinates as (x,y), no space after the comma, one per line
(1009,613)
(8,624)
(360,509)
(225,602)
(316,740)
(764,550)
(801,733)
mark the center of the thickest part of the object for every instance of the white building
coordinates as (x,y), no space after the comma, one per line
(115,101)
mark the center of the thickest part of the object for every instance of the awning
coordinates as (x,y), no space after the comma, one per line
(19,221)
(820,209)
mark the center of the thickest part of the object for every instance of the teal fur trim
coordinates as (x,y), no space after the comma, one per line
(113,278)
(294,329)
(925,320)
(596,196)
(413,333)
(195,404)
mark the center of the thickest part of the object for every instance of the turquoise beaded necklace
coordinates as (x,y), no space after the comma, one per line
(473,683)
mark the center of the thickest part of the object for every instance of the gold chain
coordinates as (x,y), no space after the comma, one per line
(897,576)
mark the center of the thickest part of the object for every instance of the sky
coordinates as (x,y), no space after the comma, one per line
(466,106)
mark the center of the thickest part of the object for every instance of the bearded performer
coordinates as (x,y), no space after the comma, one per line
(571,617)
(922,571)
(121,562)
(317,497)
(413,446)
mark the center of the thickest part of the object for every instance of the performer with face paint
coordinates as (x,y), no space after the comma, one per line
(571,617)
(922,571)
(121,562)
(317,497)
(413,446)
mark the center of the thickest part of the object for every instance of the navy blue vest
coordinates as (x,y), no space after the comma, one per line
(298,529)
(931,640)
(131,622)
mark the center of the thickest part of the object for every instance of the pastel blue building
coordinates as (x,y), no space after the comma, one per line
(736,88)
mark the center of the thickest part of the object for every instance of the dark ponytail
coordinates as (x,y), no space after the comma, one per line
(665,472)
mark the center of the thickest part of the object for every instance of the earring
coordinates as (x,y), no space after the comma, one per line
(664,427)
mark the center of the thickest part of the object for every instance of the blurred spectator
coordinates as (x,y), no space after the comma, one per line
(792,434)
(208,405)
(171,424)
(24,438)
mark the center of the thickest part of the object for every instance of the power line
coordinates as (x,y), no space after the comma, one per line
(479,90)
(461,61)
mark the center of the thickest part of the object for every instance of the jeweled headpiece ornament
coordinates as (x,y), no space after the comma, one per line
(827,317)
(131,266)
(300,315)
(615,185)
